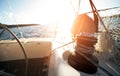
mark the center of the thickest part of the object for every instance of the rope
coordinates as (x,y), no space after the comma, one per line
(99,16)
(104,9)
(95,17)
(73,8)
(85,51)
(61,46)
(78,7)
(76,13)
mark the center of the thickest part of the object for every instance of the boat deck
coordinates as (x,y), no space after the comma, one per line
(42,66)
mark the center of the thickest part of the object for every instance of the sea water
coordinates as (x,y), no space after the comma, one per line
(41,31)
(49,31)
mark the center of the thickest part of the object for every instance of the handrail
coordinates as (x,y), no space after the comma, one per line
(26,58)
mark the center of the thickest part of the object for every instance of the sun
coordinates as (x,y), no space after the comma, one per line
(62,15)
(60,12)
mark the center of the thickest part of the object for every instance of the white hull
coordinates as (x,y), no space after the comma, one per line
(40,48)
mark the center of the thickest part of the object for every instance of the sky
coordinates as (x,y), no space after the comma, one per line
(48,11)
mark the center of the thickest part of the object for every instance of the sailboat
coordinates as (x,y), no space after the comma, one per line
(36,56)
